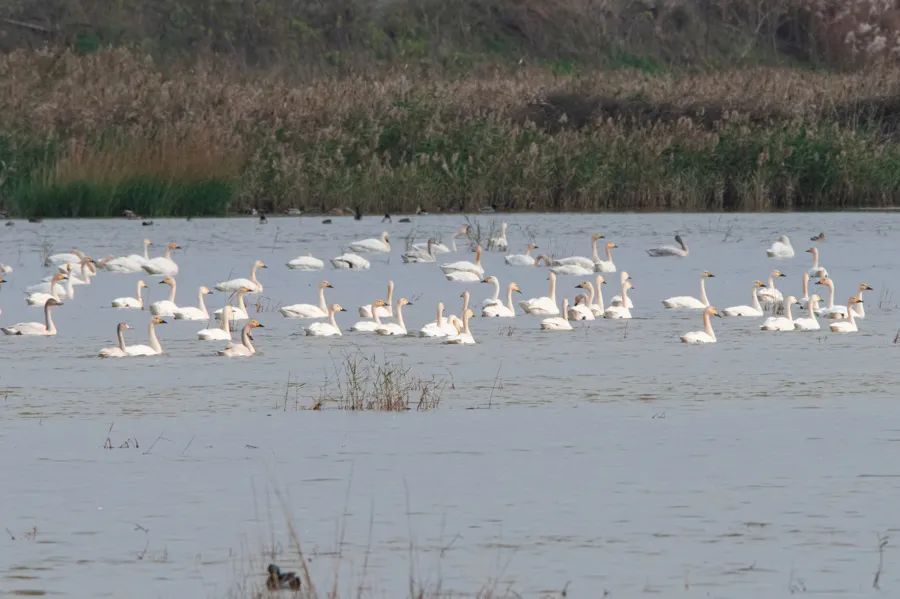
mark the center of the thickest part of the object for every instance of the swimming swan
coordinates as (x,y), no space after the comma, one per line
(350,261)
(558,323)
(781,248)
(466,266)
(395,328)
(245,348)
(39,298)
(498,242)
(848,325)
(769,293)
(584,311)
(252,283)
(136,302)
(385,310)
(781,323)
(859,308)
(542,306)
(525,259)
(810,323)
(499,310)
(706,335)
(326,329)
(576,270)
(307,262)
(417,256)
(688,302)
(163,265)
(309,310)
(73,257)
(119,350)
(816,270)
(617,299)
(495,296)
(129,264)
(620,311)
(369,326)
(222,333)
(379,244)
(606,265)
(831,311)
(582,261)
(238,312)
(463,334)
(46,328)
(670,250)
(754,309)
(167,307)
(441,327)
(192,313)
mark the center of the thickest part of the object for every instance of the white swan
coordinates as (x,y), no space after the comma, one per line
(498,242)
(620,311)
(309,310)
(597,306)
(457,321)
(495,295)
(395,328)
(57,289)
(809,323)
(252,283)
(238,312)
(465,265)
(617,299)
(558,323)
(307,262)
(86,270)
(581,260)
(781,248)
(583,311)
(154,348)
(525,259)
(463,334)
(575,270)
(221,333)
(670,250)
(831,311)
(805,286)
(163,265)
(46,328)
(192,313)
(606,265)
(688,302)
(369,326)
(326,329)
(39,298)
(167,307)
(859,309)
(119,350)
(385,310)
(379,244)
(499,310)
(136,302)
(73,257)
(542,306)
(129,264)
(441,248)
(849,325)
(417,256)
(350,261)
(245,347)
(5,268)
(754,309)
(816,270)
(461,276)
(707,335)
(769,293)
(441,327)
(781,323)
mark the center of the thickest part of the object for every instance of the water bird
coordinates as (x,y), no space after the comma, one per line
(819,237)
(620,310)
(681,250)
(154,347)
(309,310)
(147,223)
(754,309)
(386,218)
(280,581)
(307,262)
(586,263)
(542,306)
(252,283)
(405,220)
(374,244)
(781,323)
(707,335)
(46,328)
(119,350)
(245,347)
(134,303)
(327,221)
(166,307)
(262,218)
(525,259)
(849,325)
(163,265)
(816,270)
(464,334)
(397,328)
(689,302)
(558,323)
(326,329)
(781,248)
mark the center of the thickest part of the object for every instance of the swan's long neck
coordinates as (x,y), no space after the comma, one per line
(172,292)
(528,251)
(120,335)
(154,341)
(168,254)
(70,289)
(815,256)
(400,316)
(703,297)
(241,303)
(565,310)
(253,274)
(439,320)
(860,308)
(851,314)
(139,296)
(85,272)
(390,294)
(322,303)
(707,325)
(465,303)
(787,310)
(331,318)
(48,320)
(683,245)
(509,301)
(625,294)
(496,284)
(609,254)
(590,292)
(466,324)
(831,295)
(146,251)
(812,308)
(754,301)
(806,284)
(201,303)
(226,319)
(599,294)
(553,289)
(245,339)
(595,255)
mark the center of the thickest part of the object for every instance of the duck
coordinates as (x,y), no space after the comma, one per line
(769,293)
(466,266)
(558,323)
(129,264)
(781,323)
(620,311)
(350,261)
(245,347)
(163,265)
(133,303)
(525,259)
(441,327)
(754,309)
(688,302)
(498,242)
(781,248)
(326,329)
(819,237)
(707,335)
(281,581)
(859,308)
(606,265)
(681,250)
(307,262)
(617,299)
(809,323)
(397,328)
(542,306)
(385,310)
(831,311)
(849,324)
(39,298)
(252,283)
(220,333)
(192,313)
(166,308)
(417,256)
(499,310)
(583,310)
(369,326)
(46,328)
(154,348)
(238,312)
(119,350)
(463,334)
(587,263)
(377,244)
(309,310)
(816,270)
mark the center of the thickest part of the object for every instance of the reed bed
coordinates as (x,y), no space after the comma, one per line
(92,135)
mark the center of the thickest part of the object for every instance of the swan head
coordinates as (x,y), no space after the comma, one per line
(122,326)
(819,237)
(679,240)
(778,274)
(157,320)
(813,250)
(532,246)
(147,243)
(759,284)
(515,287)
(337,308)
(784,239)
(597,236)
(379,303)
(325,285)
(142,284)
(404,302)
(205,291)
(173,246)
(385,237)
(441,307)
(465,295)
(825,281)
(468,314)
(259,264)
(52,302)
(463,231)
(390,286)
(244,291)
(552,276)
(253,324)
(815,297)
(610,245)
(789,300)
(168,281)
(59,277)
(865,287)
(713,311)
(584,285)
(542,259)
(706,275)
(478,252)
(490,279)
(854,300)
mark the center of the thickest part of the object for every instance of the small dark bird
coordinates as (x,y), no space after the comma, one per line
(189,217)
(147,223)
(357,213)
(262,218)
(404,220)
(278,580)
(327,221)
(35,219)
(419,210)
(386,218)
(819,237)
(9,223)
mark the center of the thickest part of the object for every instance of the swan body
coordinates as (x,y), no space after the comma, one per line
(129,264)
(370,326)
(558,323)
(245,348)
(53,289)
(73,257)
(542,306)
(831,311)
(39,298)
(463,335)
(781,248)
(385,309)
(46,328)
(305,263)
(166,308)
(620,311)
(154,348)
(163,265)
(849,325)
(681,250)
(769,293)
(133,303)
(499,310)
(617,299)
(350,261)
(781,323)
(525,259)
(707,335)
(221,333)
(252,283)
(754,309)
(587,263)
(119,350)
(192,313)
(326,329)
(586,310)
(395,328)
(466,266)
(309,310)
(498,243)
(606,265)
(87,269)
(461,276)
(577,270)
(816,270)
(809,323)
(378,244)
(858,308)
(441,327)
(691,303)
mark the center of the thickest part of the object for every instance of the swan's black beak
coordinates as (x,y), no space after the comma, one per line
(163,322)
(518,291)
(162,282)
(263,266)
(409,303)
(260,326)
(329,286)
(342,310)
(781,275)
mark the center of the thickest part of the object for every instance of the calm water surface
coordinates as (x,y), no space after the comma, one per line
(612,458)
